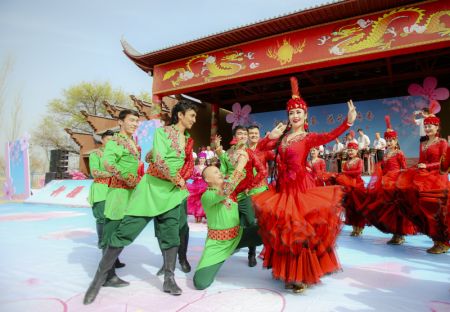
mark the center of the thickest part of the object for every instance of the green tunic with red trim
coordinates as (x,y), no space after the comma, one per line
(120,158)
(254,170)
(222,215)
(99,188)
(157,192)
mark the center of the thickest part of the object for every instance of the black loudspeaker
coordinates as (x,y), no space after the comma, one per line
(49,176)
(59,161)
(63,176)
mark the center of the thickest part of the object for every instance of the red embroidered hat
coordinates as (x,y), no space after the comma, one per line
(390,133)
(352,145)
(432,120)
(296,101)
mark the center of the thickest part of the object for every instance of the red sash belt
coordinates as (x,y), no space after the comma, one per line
(154,172)
(116,183)
(102,180)
(226,234)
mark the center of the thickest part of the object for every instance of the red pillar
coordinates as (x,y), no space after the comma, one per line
(214,123)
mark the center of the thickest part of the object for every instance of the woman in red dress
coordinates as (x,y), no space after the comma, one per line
(424,190)
(382,206)
(319,168)
(298,221)
(355,191)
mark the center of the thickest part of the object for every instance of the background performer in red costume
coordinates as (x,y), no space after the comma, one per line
(299,222)
(319,168)
(382,206)
(351,179)
(424,190)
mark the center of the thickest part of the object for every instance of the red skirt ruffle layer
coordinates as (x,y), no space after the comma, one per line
(424,198)
(299,231)
(382,206)
(355,194)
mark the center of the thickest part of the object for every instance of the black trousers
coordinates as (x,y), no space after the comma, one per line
(379,156)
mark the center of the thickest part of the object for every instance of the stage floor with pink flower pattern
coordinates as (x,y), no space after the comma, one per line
(49,256)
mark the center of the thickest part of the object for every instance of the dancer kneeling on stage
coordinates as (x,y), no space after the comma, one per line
(225,234)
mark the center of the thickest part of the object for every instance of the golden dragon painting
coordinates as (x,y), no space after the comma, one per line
(368,34)
(229,64)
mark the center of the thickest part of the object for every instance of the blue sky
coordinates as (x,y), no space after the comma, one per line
(56,44)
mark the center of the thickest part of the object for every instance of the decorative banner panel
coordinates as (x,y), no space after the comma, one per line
(398,31)
(144,136)
(17,167)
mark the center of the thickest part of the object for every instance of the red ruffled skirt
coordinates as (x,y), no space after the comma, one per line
(299,231)
(355,195)
(382,206)
(424,199)
(325,178)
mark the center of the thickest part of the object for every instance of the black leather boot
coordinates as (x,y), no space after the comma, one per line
(170,259)
(99,234)
(106,264)
(182,253)
(118,264)
(112,280)
(161,271)
(252,256)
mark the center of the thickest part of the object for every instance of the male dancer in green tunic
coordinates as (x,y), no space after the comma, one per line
(158,195)
(263,149)
(99,188)
(121,159)
(225,234)
(254,171)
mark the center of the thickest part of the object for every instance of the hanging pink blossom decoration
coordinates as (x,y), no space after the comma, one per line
(239,116)
(429,91)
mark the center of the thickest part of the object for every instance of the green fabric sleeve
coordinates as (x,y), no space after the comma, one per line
(94,164)
(111,156)
(210,199)
(96,168)
(160,151)
(225,164)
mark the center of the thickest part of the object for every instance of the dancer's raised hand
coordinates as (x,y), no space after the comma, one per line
(277,131)
(351,116)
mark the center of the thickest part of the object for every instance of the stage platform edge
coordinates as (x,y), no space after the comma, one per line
(73,193)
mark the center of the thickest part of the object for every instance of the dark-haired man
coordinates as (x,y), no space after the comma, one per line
(418,118)
(263,149)
(158,195)
(363,147)
(121,159)
(254,171)
(99,188)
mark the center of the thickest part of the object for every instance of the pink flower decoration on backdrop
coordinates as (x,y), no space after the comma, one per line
(429,91)
(8,188)
(24,142)
(239,116)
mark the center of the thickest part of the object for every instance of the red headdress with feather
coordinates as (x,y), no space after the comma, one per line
(296,101)
(432,120)
(390,133)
